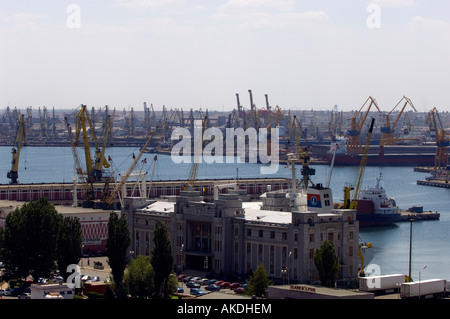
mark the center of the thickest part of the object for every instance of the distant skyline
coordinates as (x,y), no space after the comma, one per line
(200,53)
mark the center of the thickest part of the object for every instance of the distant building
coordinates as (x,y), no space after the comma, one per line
(94,222)
(232,235)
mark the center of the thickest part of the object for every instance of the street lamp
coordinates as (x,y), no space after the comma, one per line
(419,278)
(410,245)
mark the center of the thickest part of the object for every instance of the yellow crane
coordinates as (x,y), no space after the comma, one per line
(354,143)
(387,136)
(362,167)
(13,174)
(442,139)
(94,172)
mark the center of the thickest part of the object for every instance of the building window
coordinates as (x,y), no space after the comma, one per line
(284,236)
(260,233)
(249,232)
(296,237)
(272,234)
(331,237)
(350,251)
(311,238)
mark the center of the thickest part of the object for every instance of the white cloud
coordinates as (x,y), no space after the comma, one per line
(148,4)
(427,24)
(261,14)
(23,21)
(394,3)
(279,5)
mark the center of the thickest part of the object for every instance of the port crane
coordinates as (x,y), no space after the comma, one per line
(94,169)
(305,158)
(13,174)
(352,204)
(194,168)
(387,136)
(110,199)
(442,139)
(354,146)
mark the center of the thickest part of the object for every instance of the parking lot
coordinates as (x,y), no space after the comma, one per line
(201,287)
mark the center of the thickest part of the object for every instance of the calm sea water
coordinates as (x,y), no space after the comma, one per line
(431,239)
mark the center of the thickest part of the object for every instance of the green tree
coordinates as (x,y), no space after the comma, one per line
(139,277)
(117,245)
(69,244)
(327,264)
(30,239)
(259,282)
(162,259)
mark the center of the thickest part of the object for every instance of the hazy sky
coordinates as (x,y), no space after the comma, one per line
(200,53)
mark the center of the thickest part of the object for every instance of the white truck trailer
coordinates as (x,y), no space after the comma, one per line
(382,283)
(423,288)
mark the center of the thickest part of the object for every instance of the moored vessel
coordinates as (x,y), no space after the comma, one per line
(374,208)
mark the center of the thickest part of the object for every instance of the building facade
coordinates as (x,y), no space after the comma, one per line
(231,236)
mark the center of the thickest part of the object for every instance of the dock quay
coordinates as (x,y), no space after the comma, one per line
(64,192)
(434,183)
(424,169)
(406,215)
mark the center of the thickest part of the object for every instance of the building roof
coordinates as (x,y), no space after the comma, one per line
(253,213)
(159,207)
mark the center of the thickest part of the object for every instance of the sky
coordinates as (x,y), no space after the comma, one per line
(200,53)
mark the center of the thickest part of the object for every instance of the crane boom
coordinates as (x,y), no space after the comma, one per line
(112,197)
(306,171)
(13,174)
(362,168)
(194,167)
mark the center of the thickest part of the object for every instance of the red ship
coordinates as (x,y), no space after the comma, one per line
(389,155)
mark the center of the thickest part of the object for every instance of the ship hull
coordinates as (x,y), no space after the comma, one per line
(386,160)
(367,220)
(389,155)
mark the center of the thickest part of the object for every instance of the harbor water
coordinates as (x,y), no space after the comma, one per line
(430,239)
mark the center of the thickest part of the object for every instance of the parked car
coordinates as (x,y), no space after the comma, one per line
(86,278)
(225,284)
(235,285)
(181,277)
(212,281)
(191,284)
(187,278)
(180,290)
(197,292)
(204,282)
(196,279)
(212,287)
(95,278)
